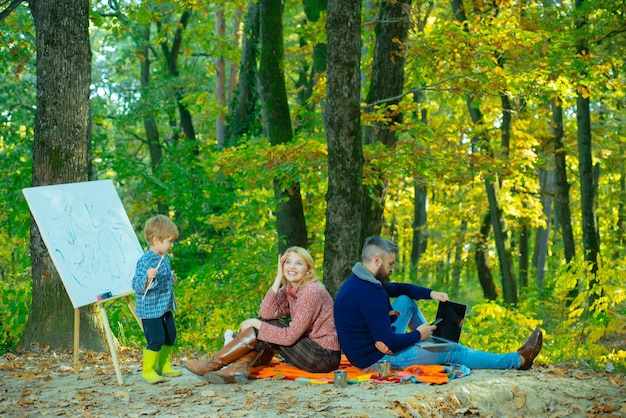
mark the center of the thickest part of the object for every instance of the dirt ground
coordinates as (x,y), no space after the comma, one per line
(43,383)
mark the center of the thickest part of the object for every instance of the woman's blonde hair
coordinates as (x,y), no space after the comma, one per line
(306,256)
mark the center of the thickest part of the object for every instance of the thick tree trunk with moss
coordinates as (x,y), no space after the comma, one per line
(387,81)
(60,155)
(343,135)
(290,215)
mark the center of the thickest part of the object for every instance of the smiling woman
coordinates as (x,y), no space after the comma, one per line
(308,341)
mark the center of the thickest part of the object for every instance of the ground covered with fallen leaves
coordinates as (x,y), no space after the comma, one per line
(44,383)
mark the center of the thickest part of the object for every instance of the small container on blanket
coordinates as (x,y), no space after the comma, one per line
(340,378)
(384,368)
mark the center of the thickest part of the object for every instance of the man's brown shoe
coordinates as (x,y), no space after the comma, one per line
(531,349)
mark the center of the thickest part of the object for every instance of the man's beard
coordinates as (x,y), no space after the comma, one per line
(382,277)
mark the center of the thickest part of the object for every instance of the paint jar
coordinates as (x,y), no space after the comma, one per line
(384,368)
(340,378)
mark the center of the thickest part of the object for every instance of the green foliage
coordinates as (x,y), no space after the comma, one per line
(15,303)
(593,321)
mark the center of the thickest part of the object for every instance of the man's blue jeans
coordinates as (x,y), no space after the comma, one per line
(411,318)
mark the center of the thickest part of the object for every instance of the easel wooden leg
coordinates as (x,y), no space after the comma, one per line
(112,348)
(76,339)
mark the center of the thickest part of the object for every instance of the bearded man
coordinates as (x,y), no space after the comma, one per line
(371,328)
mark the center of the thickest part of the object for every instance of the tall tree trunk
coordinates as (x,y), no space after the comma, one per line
(523,255)
(420,215)
(149,123)
(220,80)
(458,262)
(60,155)
(503,241)
(591,240)
(171,54)
(620,225)
(543,234)
(387,81)
(562,202)
(233,68)
(343,134)
(244,117)
(482,260)
(420,199)
(290,216)
(308,77)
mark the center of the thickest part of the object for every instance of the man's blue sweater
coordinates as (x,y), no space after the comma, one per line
(362,317)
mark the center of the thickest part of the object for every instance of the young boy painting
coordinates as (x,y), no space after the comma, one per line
(154,296)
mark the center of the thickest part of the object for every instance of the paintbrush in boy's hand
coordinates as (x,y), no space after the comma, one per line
(149,281)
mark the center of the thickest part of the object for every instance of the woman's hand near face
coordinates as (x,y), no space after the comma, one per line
(278,281)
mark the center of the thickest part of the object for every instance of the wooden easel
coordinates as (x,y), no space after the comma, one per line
(107,329)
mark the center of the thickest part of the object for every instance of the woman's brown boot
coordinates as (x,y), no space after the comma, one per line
(237,372)
(241,345)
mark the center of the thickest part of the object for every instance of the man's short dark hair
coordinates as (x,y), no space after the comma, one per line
(374,246)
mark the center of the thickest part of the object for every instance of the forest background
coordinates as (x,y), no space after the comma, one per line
(485,137)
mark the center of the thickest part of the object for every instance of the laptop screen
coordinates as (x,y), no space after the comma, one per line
(452,316)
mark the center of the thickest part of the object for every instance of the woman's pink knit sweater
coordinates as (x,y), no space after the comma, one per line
(311,311)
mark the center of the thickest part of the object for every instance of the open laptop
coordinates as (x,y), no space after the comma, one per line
(448,331)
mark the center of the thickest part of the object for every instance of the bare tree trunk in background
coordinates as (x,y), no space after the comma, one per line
(420,215)
(345,149)
(290,215)
(500,225)
(244,117)
(233,68)
(150,125)
(60,155)
(562,202)
(458,262)
(387,81)
(503,242)
(308,77)
(591,239)
(420,187)
(620,225)
(543,234)
(481,257)
(220,80)
(523,258)
(171,54)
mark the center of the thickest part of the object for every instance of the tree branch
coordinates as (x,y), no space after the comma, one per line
(12,6)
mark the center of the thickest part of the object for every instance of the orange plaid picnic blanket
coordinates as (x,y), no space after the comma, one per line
(436,374)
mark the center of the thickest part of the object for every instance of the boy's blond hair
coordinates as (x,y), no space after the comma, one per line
(160,227)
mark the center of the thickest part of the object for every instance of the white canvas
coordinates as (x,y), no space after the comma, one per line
(89,237)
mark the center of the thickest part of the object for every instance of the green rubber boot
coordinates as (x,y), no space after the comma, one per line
(149,360)
(163,366)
